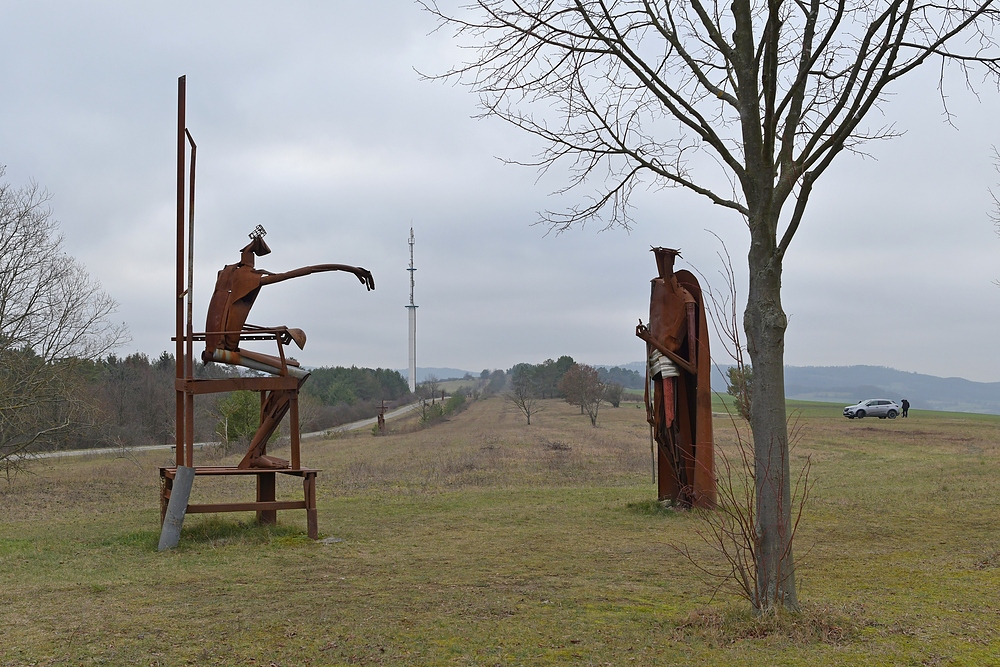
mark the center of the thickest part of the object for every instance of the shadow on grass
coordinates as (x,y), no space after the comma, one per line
(215,531)
(653,508)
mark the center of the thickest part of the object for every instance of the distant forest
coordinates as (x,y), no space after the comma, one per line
(350,385)
(623,376)
(546,376)
(129,401)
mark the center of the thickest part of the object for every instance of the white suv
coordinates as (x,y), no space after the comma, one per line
(873,407)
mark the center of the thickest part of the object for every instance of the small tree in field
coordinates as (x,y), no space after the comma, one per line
(239,416)
(582,386)
(573,385)
(739,385)
(523,395)
(613,392)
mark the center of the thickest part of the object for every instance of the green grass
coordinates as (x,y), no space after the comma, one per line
(451,386)
(481,542)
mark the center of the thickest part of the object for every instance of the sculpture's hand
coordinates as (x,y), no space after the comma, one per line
(365,276)
(642,331)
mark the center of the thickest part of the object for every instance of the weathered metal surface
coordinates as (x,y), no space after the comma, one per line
(181,416)
(236,290)
(238,286)
(679,370)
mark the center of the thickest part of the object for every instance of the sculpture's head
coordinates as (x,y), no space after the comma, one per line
(665,261)
(255,247)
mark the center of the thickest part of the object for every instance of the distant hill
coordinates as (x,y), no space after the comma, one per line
(849,384)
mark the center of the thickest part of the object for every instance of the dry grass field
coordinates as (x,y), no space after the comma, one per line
(481,541)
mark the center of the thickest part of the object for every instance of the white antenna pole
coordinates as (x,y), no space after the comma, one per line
(413,323)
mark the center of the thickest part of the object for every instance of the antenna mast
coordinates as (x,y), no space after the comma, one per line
(413,323)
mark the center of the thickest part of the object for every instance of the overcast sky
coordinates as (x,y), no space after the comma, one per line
(311,120)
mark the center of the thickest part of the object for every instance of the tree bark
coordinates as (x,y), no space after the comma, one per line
(764,322)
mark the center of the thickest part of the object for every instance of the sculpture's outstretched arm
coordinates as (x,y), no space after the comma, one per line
(364,275)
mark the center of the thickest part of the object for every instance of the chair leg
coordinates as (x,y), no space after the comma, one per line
(266,493)
(293,429)
(166,485)
(309,489)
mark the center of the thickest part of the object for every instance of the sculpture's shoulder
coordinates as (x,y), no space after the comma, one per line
(238,280)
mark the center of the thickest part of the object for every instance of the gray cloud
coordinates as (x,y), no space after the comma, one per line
(311,120)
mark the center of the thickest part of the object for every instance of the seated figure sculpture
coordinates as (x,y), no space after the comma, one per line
(236,289)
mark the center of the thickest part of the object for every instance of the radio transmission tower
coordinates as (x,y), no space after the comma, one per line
(413,323)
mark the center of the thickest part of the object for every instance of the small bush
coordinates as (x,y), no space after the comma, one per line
(431,413)
(455,404)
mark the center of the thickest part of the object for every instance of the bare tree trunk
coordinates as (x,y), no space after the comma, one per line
(764,322)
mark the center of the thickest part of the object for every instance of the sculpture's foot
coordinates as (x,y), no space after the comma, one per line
(266,463)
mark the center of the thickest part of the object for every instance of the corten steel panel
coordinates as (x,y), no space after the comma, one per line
(680,408)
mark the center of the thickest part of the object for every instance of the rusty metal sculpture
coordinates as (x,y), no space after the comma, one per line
(679,370)
(236,290)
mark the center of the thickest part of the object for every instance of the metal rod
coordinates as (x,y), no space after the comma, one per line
(293,430)
(179,350)
(190,262)
(189,333)
(652,453)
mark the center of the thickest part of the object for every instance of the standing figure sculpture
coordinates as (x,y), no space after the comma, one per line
(236,289)
(679,368)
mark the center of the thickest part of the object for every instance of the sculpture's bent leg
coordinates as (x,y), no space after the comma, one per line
(273,411)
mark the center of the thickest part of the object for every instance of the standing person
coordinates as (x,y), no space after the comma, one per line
(906,407)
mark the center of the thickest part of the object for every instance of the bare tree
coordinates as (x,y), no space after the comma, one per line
(523,395)
(430,386)
(582,386)
(732,530)
(771,91)
(613,392)
(52,316)
(573,384)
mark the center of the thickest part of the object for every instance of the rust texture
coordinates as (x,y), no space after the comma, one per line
(381,418)
(236,290)
(678,385)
